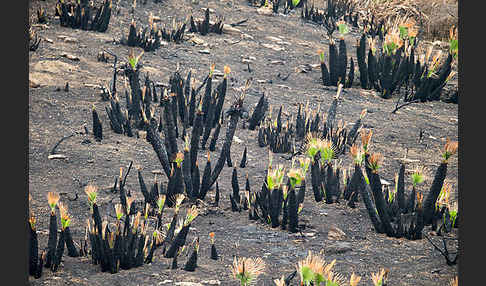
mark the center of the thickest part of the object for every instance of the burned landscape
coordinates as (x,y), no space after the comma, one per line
(170,140)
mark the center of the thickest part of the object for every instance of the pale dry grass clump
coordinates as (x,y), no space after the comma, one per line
(434,17)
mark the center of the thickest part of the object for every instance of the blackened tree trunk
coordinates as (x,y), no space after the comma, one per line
(33,250)
(230,132)
(97,127)
(342,61)
(367,200)
(58,253)
(316,179)
(205,180)
(51,243)
(71,248)
(258,113)
(333,64)
(214,139)
(375,184)
(158,146)
(293,211)
(429,203)
(401,188)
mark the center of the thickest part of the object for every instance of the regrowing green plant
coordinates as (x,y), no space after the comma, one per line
(92,192)
(275,177)
(132,60)
(417,177)
(453,41)
(247,270)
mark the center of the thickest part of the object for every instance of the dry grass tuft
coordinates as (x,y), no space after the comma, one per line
(434,17)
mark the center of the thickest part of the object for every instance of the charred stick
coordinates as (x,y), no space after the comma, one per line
(243,159)
(33,250)
(58,253)
(212,144)
(154,139)
(206,179)
(52,240)
(72,250)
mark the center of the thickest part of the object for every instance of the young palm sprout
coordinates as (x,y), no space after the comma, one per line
(379,278)
(357,153)
(417,176)
(342,28)
(295,176)
(275,177)
(301,207)
(365,139)
(452,207)
(450,149)
(313,270)
(392,42)
(443,199)
(118,211)
(179,158)
(454,281)
(214,252)
(52,200)
(65,217)
(247,270)
(374,162)
(280,282)
(312,146)
(354,279)
(129,201)
(133,60)
(453,42)
(192,213)
(146,211)
(161,203)
(179,198)
(304,166)
(92,192)
(327,151)
(420,199)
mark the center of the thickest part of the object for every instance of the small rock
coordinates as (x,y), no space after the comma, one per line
(274,39)
(228,29)
(338,247)
(197,41)
(142,134)
(248,59)
(211,282)
(264,11)
(246,36)
(70,40)
(33,83)
(211,10)
(237,140)
(56,156)
(335,233)
(188,284)
(273,47)
(71,57)
(384,182)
